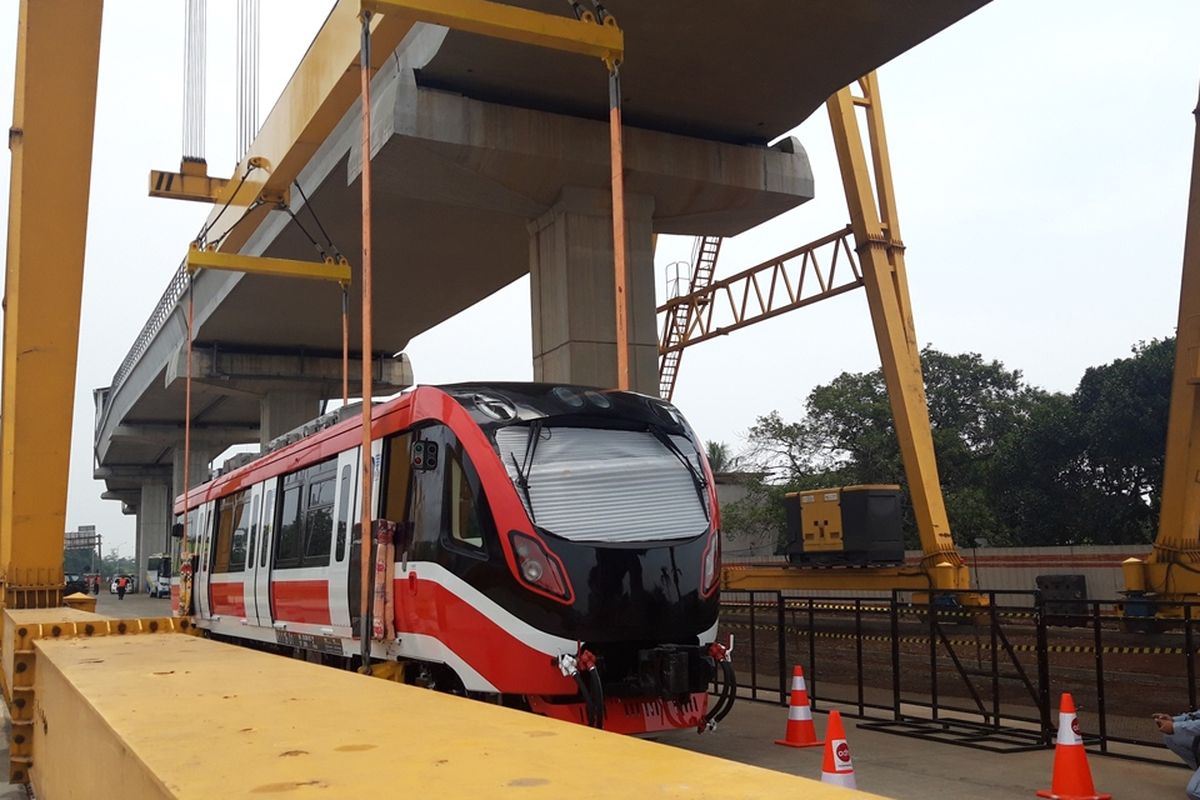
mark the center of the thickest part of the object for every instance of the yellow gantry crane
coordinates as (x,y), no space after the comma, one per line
(869,253)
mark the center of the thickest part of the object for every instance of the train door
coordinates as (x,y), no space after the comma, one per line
(203,574)
(262,561)
(339,573)
(354,575)
(303,546)
(250,614)
(230,537)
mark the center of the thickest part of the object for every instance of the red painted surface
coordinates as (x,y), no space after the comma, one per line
(300,601)
(502,659)
(632,716)
(227,597)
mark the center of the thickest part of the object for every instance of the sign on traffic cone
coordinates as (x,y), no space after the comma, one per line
(1072,778)
(837,768)
(800,729)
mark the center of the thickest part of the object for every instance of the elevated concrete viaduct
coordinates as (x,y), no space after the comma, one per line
(490,161)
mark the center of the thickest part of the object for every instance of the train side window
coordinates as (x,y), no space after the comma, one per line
(241,532)
(268,518)
(343,511)
(397,477)
(318,523)
(253,532)
(460,517)
(288,542)
(220,542)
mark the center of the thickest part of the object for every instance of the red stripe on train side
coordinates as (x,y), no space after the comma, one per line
(300,601)
(500,657)
(228,597)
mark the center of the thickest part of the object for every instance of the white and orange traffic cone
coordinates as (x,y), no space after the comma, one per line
(837,769)
(800,729)
(1072,777)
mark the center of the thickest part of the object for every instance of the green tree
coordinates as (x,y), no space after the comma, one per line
(1018,465)
(720,457)
(848,437)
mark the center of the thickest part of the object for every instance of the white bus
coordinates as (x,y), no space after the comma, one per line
(158,575)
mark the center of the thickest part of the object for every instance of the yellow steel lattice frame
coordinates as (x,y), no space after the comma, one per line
(761,292)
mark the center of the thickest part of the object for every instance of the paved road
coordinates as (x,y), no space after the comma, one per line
(912,769)
(134,605)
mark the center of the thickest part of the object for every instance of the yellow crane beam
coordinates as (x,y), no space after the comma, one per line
(1170,574)
(58,51)
(337,270)
(876,227)
(500,21)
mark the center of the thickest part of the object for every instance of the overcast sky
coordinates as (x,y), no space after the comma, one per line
(1041,154)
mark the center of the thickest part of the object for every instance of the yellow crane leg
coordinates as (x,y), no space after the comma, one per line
(58,50)
(881,252)
(1171,573)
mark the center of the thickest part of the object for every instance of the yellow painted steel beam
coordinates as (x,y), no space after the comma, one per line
(181,716)
(326,84)
(327,270)
(189,183)
(736,578)
(1178,537)
(501,21)
(881,259)
(21,628)
(58,49)
(320,92)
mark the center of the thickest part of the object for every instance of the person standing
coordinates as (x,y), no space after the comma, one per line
(1181,735)
(122,586)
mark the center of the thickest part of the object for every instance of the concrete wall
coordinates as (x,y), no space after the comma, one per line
(996,568)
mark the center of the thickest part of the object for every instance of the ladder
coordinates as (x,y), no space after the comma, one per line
(704,257)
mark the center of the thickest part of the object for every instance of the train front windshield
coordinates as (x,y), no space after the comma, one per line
(606,485)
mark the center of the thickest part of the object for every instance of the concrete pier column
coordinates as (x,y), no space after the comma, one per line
(202,456)
(282,411)
(571,271)
(153,525)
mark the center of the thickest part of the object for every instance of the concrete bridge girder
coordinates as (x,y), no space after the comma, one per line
(470,196)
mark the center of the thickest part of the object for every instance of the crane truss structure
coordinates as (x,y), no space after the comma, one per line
(815,271)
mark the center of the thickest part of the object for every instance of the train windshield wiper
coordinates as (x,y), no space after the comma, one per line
(697,477)
(535,436)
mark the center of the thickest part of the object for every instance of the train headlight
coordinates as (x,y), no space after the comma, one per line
(539,569)
(532,570)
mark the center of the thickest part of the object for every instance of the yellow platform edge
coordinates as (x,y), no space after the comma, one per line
(180,716)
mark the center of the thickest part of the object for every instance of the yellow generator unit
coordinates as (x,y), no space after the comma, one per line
(851,525)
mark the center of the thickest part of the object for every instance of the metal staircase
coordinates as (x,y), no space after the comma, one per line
(704,258)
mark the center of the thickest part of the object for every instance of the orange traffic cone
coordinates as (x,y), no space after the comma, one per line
(1072,778)
(837,768)
(800,729)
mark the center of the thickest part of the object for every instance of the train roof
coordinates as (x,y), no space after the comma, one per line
(491,405)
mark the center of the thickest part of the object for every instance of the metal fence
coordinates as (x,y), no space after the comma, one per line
(987,677)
